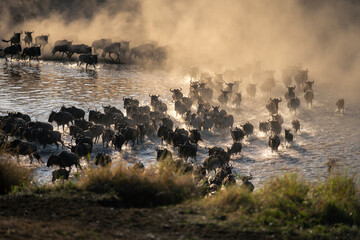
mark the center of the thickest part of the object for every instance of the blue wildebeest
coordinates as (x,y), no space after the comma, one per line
(42,40)
(62,42)
(100,44)
(88,59)
(290,93)
(274,142)
(293,104)
(143,51)
(308,85)
(273,105)
(15,39)
(79,49)
(340,105)
(28,38)
(12,50)
(113,48)
(309,96)
(296,125)
(31,52)
(64,49)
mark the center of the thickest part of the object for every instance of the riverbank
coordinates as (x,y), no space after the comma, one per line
(125,204)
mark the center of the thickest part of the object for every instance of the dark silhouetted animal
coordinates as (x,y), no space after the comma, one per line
(31,52)
(340,104)
(61,173)
(102,159)
(64,49)
(309,96)
(79,49)
(64,159)
(288,136)
(88,59)
(274,142)
(15,39)
(61,118)
(273,105)
(12,50)
(296,125)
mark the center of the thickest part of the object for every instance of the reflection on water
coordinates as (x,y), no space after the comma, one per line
(37,88)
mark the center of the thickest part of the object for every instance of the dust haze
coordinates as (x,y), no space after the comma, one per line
(323,36)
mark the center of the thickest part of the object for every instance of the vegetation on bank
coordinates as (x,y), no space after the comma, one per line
(286,204)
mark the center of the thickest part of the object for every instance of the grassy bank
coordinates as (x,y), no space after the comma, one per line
(286,206)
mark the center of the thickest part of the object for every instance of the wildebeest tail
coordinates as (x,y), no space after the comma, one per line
(5,40)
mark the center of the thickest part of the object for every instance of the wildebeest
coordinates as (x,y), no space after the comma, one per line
(293,103)
(237,100)
(251,90)
(246,184)
(79,49)
(100,44)
(113,48)
(309,96)
(340,104)
(235,148)
(64,159)
(288,136)
(264,126)
(300,77)
(188,150)
(290,93)
(28,38)
(274,142)
(88,59)
(102,159)
(118,141)
(177,94)
(144,51)
(296,125)
(61,173)
(195,136)
(15,39)
(42,40)
(275,126)
(308,85)
(12,50)
(18,147)
(61,118)
(273,105)
(248,128)
(62,42)
(64,49)
(223,98)
(76,112)
(163,154)
(31,52)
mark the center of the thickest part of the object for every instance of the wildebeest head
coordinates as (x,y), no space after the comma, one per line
(28,33)
(52,116)
(154,98)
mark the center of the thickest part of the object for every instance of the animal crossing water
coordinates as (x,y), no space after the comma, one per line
(37,88)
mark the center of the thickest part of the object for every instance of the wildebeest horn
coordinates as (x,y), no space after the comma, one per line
(123,98)
(149,95)
(313,81)
(294,87)
(280,99)
(180,89)
(171,90)
(271,98)
(158,95)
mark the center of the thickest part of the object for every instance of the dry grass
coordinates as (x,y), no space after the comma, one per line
(12,175)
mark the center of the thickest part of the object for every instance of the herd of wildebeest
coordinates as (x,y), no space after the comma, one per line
(206,108)
(87,54)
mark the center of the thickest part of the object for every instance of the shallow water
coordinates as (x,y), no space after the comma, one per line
(37,88)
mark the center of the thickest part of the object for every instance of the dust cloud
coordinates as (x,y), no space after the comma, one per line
(322,36)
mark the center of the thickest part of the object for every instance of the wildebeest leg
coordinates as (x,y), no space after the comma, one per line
(31,158)
(86,65)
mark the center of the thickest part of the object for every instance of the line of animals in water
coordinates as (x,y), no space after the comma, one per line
(118,129)
(116,51)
